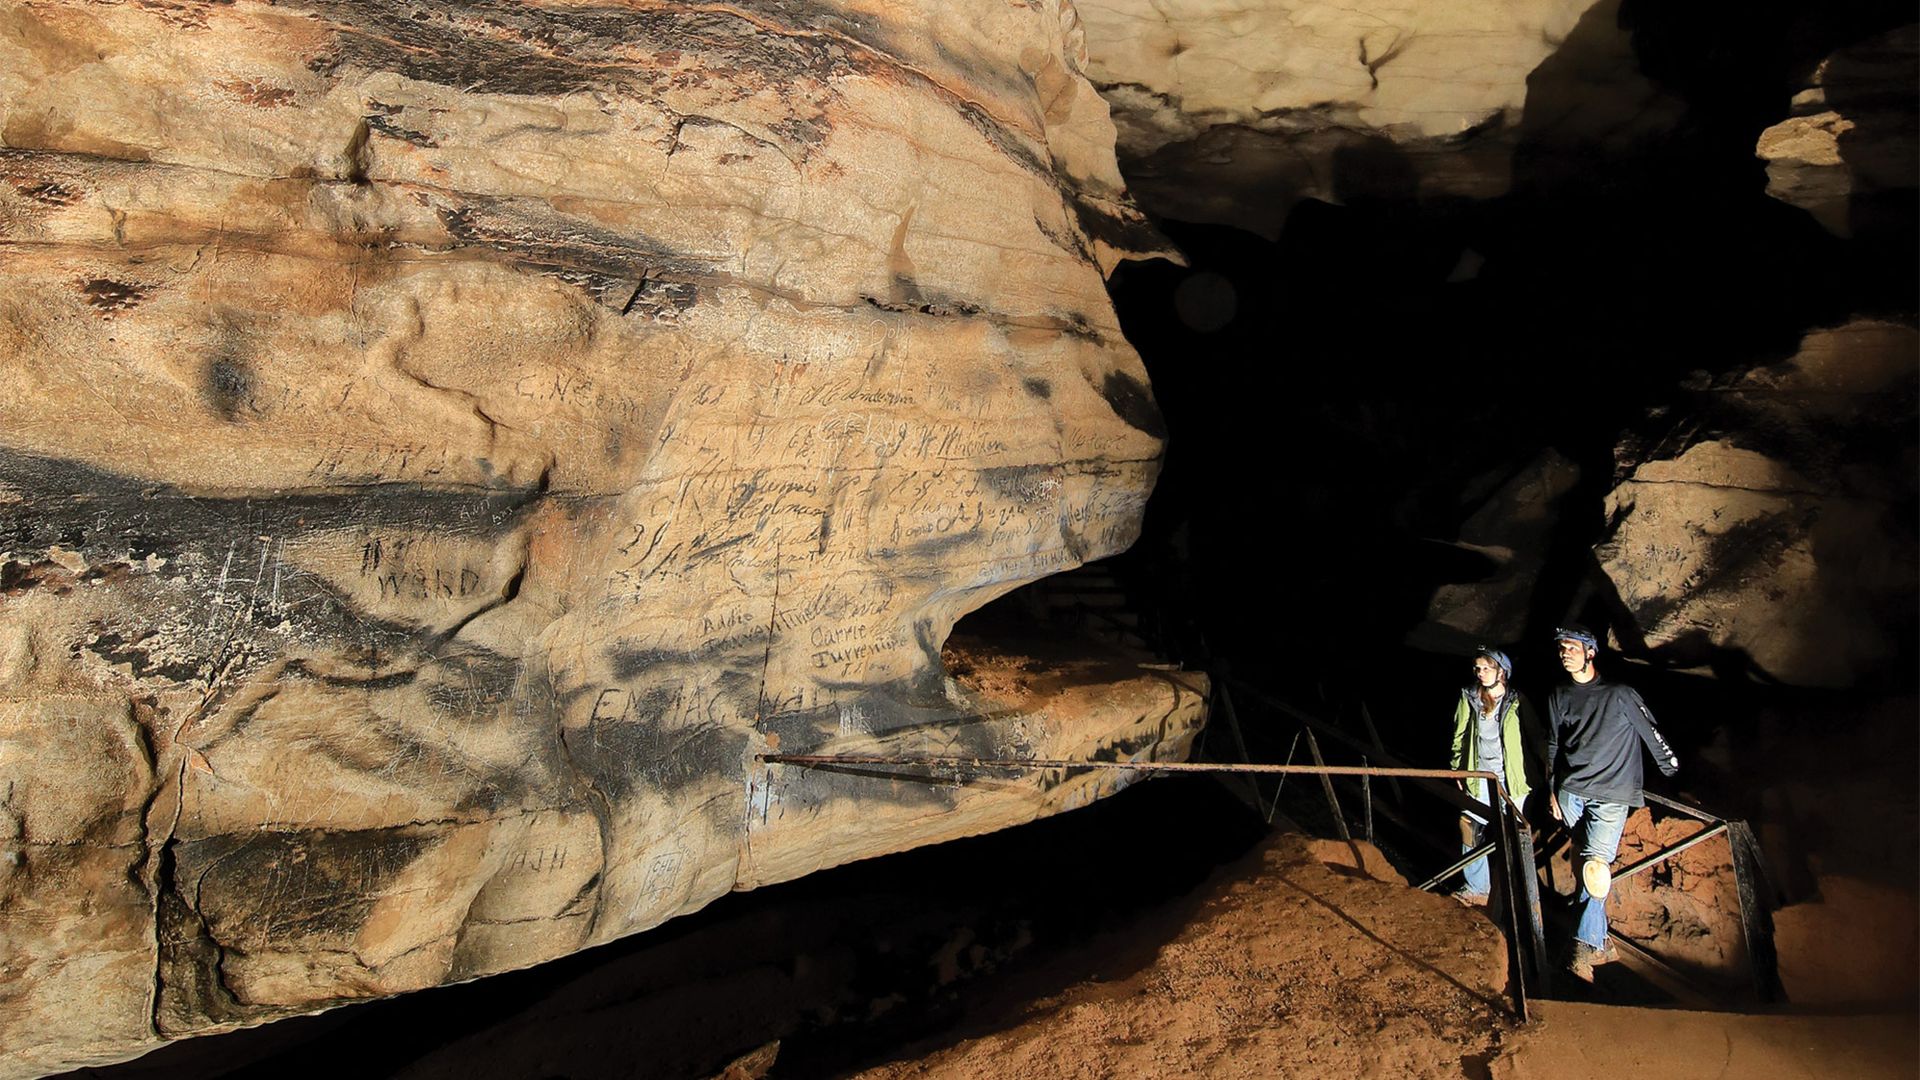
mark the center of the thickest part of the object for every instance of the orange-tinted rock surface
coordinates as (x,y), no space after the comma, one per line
(445,443)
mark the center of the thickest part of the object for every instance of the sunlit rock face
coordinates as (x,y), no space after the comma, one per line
(1232,111)
(1769,534)
(1851,136)
(444,444)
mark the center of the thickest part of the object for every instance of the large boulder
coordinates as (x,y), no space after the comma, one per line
(1851,137)
(444,444)
(1232,111)
(1770,532)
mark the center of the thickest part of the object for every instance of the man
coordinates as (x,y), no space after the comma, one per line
(1595,729)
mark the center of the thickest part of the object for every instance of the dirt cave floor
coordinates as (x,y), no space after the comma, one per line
(1313,958)
(1292,961)
(1146,936)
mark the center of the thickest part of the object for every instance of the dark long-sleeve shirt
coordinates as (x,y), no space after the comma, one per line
(1594,734)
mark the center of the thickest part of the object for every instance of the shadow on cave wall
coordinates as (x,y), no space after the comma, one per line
(842,966)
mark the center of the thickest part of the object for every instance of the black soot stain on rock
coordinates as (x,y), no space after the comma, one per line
(620,271)
(107,517)
(1131,402)
(110,297)
(284,886)
(136,654)
(1102,221)
(657,741)
(907,718)
(229,387)
(1733,557)
(48,192)
(498,47)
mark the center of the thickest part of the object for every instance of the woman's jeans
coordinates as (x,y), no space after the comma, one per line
(1475,834)
(1596,827)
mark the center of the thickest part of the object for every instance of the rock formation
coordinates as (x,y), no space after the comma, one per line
(1514,529)
(1232,111)
(1770,531)
(1851,136)
(445,443)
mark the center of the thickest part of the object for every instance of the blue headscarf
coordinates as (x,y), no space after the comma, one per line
(1578,633)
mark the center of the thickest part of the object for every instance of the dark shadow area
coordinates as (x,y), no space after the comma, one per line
(1388,356)
(1391,361)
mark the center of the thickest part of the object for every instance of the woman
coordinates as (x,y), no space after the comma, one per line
(1494,731)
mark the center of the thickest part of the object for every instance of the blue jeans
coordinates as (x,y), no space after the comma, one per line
(1477,881)
(1596,827)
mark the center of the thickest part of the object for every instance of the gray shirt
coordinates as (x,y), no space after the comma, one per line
(1489,753)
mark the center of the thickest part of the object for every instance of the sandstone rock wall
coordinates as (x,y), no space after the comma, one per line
(1769,533)
(444,443)
(1232,111)
(1851,136)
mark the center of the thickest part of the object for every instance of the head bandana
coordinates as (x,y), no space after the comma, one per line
(1577,633)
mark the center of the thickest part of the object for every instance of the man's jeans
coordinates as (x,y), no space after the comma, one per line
(1477,824)
(1596,827)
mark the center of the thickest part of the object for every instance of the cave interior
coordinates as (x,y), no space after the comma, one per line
(1339,399)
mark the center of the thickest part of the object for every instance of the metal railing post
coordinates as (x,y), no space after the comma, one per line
(1504,830)
(1366,802)
(1281,784)
(1756,921)
(1529,884)
(1326,782)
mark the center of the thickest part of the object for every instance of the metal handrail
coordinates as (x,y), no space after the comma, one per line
(982,763)
(1456,867)
(962,762)
(1664,854)
(1756,921)
(1514,837)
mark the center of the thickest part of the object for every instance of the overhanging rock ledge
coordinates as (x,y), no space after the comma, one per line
(445,443)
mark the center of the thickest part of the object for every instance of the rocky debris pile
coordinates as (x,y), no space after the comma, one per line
(1850,141)
(444,444)
(1768,531)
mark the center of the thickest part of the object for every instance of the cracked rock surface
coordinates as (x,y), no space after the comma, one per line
(445,443)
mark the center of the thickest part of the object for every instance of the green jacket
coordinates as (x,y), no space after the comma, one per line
(1518,740)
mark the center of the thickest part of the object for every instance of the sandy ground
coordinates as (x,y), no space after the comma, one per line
(1572,1041)
(1290,965)
(1293,963)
